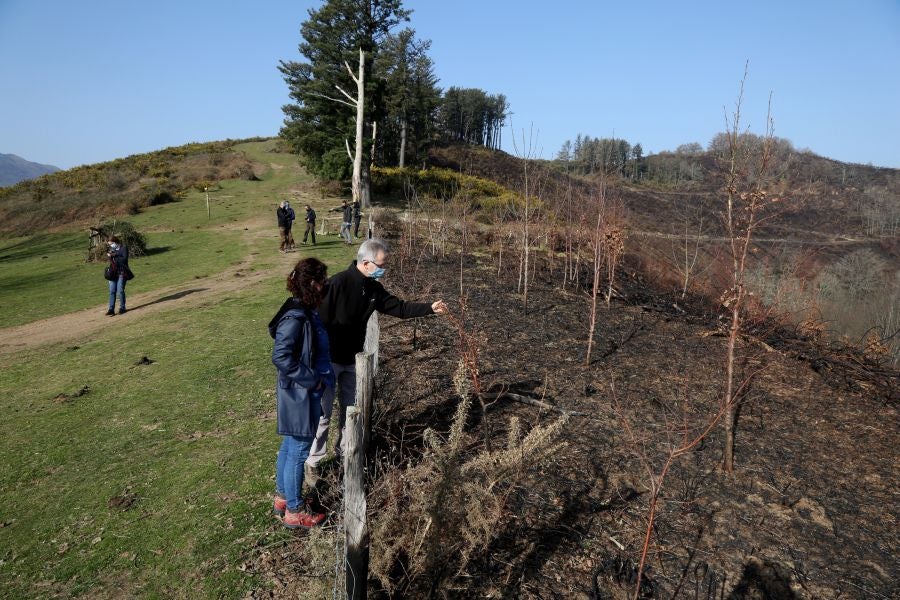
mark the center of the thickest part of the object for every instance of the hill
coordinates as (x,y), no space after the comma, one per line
(830,252)
(165,476)
(124,186)
(14,169)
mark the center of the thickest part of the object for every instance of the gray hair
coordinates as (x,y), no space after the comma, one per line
(370,249)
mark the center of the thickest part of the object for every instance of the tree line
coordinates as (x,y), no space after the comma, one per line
(405,111)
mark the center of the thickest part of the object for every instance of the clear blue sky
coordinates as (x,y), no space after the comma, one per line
(93,80)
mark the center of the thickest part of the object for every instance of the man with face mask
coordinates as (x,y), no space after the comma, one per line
(351,297)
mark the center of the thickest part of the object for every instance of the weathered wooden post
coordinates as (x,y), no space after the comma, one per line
(371,344)
(355,526)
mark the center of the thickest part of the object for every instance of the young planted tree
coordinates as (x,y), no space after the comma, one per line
(747,202)
(527,153)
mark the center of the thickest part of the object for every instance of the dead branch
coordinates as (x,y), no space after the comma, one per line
(530,402)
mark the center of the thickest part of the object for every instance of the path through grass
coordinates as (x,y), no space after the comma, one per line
(122,479)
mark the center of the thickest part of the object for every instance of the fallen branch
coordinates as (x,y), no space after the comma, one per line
(530,402)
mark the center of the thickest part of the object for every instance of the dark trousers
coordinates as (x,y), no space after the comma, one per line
(310,230)
(356,226)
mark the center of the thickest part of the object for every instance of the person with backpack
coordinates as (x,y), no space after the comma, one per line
(117,274)
(302,359)
(310,225)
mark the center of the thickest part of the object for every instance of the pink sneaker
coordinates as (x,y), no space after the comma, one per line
(303,518)
(279,506)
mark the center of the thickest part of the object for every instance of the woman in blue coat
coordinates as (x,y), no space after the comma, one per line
(301,356)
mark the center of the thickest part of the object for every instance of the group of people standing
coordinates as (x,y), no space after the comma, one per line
(318,331)
(351,215)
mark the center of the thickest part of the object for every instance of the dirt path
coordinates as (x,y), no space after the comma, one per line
(84,323)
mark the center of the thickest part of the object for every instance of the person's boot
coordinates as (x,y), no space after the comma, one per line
(110,312)
(123,310)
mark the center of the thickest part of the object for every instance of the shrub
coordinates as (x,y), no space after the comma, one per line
(125,231)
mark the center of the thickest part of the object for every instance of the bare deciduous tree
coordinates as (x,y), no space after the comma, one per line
(746,201)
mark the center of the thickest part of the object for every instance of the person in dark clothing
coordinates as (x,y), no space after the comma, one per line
(350,298)
(291,217)
(310,224)
(301,356)
(346,211)
(284,226)
(118,258)
(357,217)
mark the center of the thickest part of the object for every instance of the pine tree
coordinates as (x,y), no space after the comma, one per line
(318,123)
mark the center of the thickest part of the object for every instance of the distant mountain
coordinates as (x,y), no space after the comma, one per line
(14,169)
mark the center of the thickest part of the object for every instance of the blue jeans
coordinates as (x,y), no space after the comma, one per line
(117,287)
(289,469)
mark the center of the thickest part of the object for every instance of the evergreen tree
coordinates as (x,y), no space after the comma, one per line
(411,98)
(319,121)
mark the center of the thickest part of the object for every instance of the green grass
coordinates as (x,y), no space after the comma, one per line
(191,436)
(47,275)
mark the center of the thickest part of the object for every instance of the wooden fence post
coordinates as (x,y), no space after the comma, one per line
(355,525)
(371,345)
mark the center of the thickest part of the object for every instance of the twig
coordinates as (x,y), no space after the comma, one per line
(530,401)
(616,542)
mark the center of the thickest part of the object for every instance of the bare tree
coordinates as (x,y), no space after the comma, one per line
(526,153)
(360,187)
(746,201)
(686,249)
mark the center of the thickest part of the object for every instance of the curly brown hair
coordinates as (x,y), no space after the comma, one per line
(307,281)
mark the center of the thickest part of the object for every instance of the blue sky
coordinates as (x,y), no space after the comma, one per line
(94,80)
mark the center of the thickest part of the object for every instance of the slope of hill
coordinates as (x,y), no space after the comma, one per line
(14,169)
(831,251)
(120,187)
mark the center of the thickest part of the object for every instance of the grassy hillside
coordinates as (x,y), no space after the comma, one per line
(124,186)
(161,483)
(138,450)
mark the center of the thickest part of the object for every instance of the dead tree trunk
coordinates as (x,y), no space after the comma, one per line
(359,181)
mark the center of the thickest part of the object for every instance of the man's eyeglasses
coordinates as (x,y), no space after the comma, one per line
(381,266)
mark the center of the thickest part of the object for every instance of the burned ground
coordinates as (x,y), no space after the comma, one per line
(810,512)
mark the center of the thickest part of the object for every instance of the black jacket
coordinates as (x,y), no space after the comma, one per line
(310,216)
(350,299)
(283,220)
(357,213)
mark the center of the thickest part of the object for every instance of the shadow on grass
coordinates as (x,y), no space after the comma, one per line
(158,250)
(38,245)
(170,297)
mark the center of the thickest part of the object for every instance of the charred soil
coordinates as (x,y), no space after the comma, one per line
(810,512)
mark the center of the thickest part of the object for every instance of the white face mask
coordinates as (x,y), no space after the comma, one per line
(113,246)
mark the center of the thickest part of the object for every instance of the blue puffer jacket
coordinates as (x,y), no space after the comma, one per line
(301,357)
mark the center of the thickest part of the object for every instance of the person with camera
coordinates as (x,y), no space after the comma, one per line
(117,274)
